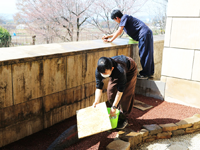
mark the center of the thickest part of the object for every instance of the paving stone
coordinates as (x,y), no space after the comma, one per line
(144,132)
(88,123)
(164,135)
(178,132)
(118,145)
(128,135)
(168,127)
(153,128)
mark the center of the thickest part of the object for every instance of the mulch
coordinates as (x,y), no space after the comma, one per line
(163,112)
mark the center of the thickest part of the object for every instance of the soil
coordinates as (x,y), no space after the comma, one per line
(163,112)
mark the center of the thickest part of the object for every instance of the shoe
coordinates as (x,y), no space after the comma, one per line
(141,77)
(122,124)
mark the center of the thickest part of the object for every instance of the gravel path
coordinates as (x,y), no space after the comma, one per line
(185,142)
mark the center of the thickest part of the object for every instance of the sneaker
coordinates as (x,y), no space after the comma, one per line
(141,77)
(122,125)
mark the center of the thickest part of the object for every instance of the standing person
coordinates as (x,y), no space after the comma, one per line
(122,72)
(138,31)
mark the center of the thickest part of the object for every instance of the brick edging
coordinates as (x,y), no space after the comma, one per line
(153,132)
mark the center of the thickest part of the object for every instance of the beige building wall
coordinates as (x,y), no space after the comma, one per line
(181,54)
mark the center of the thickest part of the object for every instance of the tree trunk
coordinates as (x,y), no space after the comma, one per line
(77,32)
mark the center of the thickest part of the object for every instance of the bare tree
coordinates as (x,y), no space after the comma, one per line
(53,18)
(160,10)
(102,11)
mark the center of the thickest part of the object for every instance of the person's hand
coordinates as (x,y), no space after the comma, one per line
(95,104)
(104,37)
(112,112)
(107,40)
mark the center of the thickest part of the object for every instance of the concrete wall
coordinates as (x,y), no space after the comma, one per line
(44,84)
(181,54)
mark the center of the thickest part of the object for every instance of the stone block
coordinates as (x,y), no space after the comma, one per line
(53,101)
(168,127)
(118,145)
(135,56)
(149,138)
(59,114)
(27,81)
(82,104)
(142,86)
(91,100)
(183,124)
(90,89)
(128,135)
(70,96)
(22,111)
(163,79)
(22,129)
(87,101)
(196,66)
(194,120)
(189,39)
(158,53)
(188,95)
(196,126)
(79,93)
(124,51)
(75,72)
(54,76)
(164,135)
(189,130)
(1,137)
(168,31)
(173,68)
(5,86)
(186,8)
(178,132)
(156,89)
(144,132)
(153,129)
(91,64)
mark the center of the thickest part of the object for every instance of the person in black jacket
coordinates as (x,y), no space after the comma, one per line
(122,71)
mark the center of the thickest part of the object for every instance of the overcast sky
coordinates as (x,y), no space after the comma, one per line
(8,7)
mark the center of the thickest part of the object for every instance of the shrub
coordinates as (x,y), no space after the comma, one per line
(5,37)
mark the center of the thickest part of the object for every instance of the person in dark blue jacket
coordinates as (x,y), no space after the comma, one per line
(138,31)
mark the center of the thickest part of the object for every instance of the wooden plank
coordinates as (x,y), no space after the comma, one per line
(92,120)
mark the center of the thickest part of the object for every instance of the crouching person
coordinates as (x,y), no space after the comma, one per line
(122,71)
